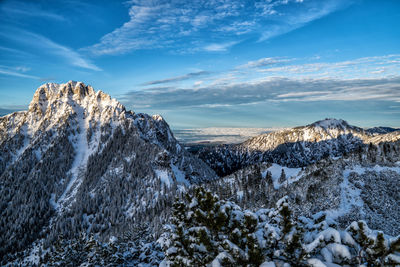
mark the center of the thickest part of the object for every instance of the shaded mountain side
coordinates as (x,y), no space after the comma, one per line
(381,130)
(78,162)
(363,184)
(228,159)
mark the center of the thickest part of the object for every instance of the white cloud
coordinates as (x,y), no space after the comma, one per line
(209,25)
(179,78)
(219,47)
(22,68)
(378,71)
(74,58)
(265,62)
(48,46)
(24,9)
(272,90)
(10,71)
(388,90)
(14,51)
(301,94)
(367,67)
(311,11)
(256,82)
(238,27)
(198,83)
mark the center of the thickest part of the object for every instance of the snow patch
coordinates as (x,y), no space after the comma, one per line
(82,154)
(179,175)
(292,174)
(164,176)
(130,157)
(350,194)
(330,123)
(315,263)
(268,264)
(53,202)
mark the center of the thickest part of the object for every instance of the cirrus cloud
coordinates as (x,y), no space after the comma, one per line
(213,26)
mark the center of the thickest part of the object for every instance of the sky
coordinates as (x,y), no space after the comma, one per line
(215,63)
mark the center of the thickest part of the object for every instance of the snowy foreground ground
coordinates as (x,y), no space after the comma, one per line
(219,233)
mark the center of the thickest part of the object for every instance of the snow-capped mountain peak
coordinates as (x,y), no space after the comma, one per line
(331,123)
(52,91)
(316,132)
(60,96)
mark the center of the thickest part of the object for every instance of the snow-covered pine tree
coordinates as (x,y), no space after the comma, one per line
(282,178)
(209,229)
(285,240)
(374,250)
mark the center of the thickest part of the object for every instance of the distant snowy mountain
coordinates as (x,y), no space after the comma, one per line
(381,130)
(77,161)
(296,147)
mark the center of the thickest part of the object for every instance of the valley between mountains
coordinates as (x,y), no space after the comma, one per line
(85,182)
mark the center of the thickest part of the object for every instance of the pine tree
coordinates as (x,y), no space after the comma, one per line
(359,231)
(282,178)
(291,233)
(177,253)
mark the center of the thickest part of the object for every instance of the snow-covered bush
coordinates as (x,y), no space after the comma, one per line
(373,247)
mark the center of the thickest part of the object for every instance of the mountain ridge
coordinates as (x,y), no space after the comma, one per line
(295,147)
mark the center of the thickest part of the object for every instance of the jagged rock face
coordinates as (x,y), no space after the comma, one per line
(78,161)
(297,147)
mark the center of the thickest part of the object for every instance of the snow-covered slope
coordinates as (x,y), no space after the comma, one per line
(361,185)
(78,161)
(296,147)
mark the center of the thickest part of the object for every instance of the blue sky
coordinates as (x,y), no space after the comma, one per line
(211,63)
